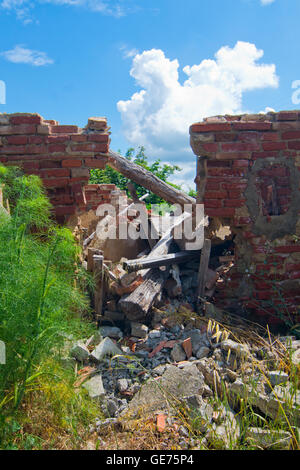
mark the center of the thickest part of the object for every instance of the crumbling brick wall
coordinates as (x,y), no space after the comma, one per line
(252,168)
(97,194)
(61,155)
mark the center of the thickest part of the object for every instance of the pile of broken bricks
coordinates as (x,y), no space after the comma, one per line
(153,371)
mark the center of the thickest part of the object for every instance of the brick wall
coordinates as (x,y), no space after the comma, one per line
(61,155)
(97,194)
(252,165)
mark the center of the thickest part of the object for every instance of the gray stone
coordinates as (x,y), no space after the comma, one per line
(269,439)
(106,348)
(203,351)
(122,385)
(241,350)
(111,407)
(80,352)
(163,392)
(200,411)
(277,377)
(139,330)
(111,331)
(177,353)
(94,340)
(154,334)
(94,386)
(296,357)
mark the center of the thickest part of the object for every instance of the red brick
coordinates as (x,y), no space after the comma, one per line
(270,136)
(57,172)
(98,138)
(13,149)
(25,120)
(234,202)
(216,194)
(252,126)
(90,147)
(210,147)
(218,163)
(71,163)
(35,139)
(234,194)
(210,127)
(274,146)
(241,164)
(212,186)
(62,129)
(257,155)
(213,203)
(294,145)
(226,137)
(220,212)
(95,163)
(49,164)
(240,147)
(17,140)
(288,249)
(57,139)
(34,165)
(56,182)
(287,116)
(231,186)
(16,130)
(36,149)
(61,199)
(79,138)
(289,135)
(233,156)
(54,148)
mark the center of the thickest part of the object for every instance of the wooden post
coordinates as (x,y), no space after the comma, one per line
(90,258)
(203,267)
(99,280)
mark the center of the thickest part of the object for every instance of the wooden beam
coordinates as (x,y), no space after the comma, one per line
(203,267)
(164,260)
(148,180)
(99,279)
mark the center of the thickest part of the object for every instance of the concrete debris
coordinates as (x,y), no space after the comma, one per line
(106,348)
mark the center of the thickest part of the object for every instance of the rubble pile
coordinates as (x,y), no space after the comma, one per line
(191,363)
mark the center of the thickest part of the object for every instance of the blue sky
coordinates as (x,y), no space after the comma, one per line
(152,67)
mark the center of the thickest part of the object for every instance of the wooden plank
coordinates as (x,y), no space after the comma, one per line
(203,267)
(164,260)
(99,279)
(90,258)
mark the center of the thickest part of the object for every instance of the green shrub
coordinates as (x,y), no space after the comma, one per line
(40,295)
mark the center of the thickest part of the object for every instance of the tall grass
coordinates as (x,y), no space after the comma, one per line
(40,296)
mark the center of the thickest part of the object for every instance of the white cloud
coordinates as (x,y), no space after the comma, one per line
(21,55)
(266,2)
(23,8)
(159,115)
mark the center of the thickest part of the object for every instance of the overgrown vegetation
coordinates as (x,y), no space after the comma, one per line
(41,302)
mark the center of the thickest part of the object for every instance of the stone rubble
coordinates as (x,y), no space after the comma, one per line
(150,373)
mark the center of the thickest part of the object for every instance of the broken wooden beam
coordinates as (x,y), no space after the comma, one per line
(164,260)
(202,274)
(99,280)
(137,304)
(148,180)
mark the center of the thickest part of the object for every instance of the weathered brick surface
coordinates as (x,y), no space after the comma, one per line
(253,182)
(62,155)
